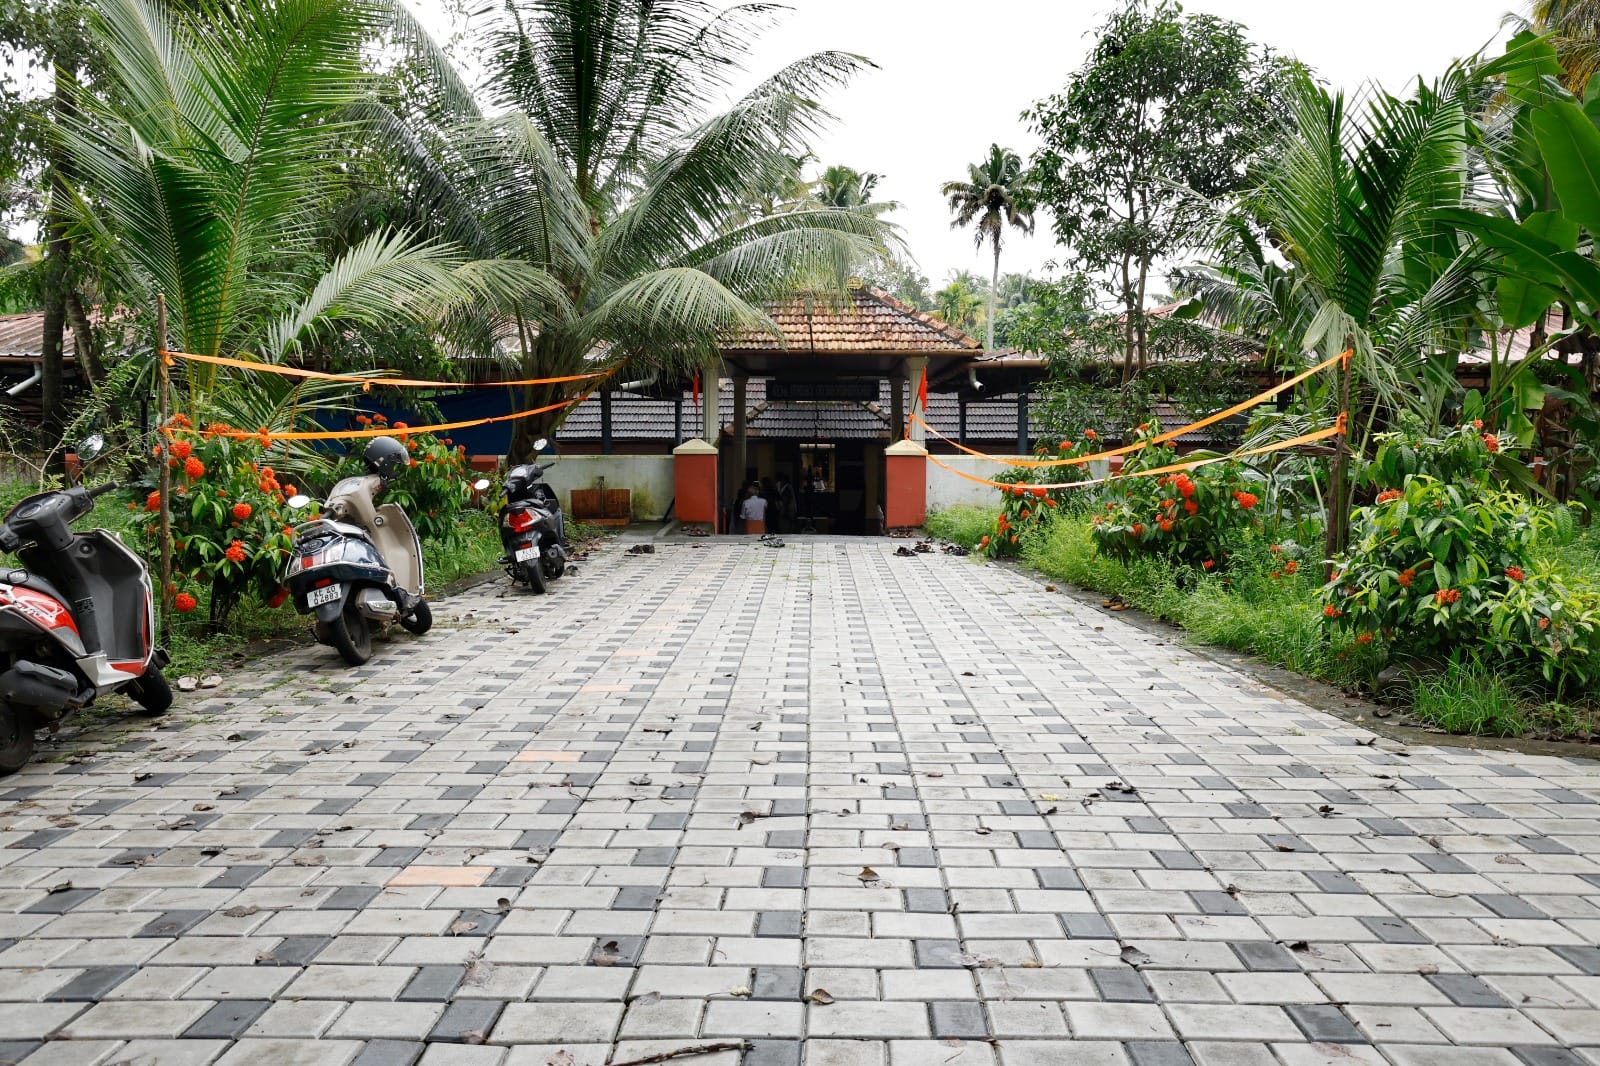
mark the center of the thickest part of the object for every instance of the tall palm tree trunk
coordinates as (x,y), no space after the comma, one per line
(994,291)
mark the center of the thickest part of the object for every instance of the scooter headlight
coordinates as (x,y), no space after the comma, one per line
(307,557)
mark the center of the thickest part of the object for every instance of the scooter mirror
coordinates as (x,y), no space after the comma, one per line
(91,446)
(540,444)
(299,501)
(481,484)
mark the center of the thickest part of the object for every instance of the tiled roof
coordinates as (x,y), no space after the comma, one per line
(873,321)
(637,418)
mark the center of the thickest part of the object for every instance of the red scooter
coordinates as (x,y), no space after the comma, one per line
(76,624)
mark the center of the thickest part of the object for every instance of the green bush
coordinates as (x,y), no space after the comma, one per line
(1436,566)
(1197,518)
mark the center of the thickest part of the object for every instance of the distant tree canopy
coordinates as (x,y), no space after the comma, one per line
(1169,110)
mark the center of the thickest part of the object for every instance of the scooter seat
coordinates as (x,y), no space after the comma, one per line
(25,579)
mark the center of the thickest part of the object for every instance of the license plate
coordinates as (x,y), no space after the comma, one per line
(527,554)
(316,597)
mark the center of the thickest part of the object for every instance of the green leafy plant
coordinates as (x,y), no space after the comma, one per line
(1025,505)
(231,526)
(1194,517)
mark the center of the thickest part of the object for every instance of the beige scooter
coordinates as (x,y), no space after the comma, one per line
(359,564)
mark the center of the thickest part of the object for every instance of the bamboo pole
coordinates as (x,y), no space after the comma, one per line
(164,400)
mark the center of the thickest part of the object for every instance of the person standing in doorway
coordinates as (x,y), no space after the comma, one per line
(788,506)
(754,511)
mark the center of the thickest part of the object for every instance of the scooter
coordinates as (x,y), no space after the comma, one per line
(77,623)
(532,527)
(359,564)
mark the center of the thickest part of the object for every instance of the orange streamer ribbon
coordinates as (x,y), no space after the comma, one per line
(1164,438)
(366,382)
(1334,430)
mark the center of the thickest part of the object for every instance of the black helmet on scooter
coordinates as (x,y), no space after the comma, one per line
(385,457)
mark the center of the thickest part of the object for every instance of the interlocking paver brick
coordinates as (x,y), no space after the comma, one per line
(710,782)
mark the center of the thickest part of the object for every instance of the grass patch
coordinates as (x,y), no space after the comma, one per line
(1277,620)
(961,525)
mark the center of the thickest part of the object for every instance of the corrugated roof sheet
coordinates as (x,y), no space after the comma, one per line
(22,336)
(873,321)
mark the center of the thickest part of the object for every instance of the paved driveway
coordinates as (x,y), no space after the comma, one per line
(860,810)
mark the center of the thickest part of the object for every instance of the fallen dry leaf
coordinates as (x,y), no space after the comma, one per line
(821,997)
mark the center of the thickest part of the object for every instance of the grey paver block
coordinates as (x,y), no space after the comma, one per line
(464,1017)
(1325,1023)
(962,1019)
(1465,990)
(227,1020)
(1157,1053)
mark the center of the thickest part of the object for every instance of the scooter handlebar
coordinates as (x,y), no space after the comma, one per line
(101,490)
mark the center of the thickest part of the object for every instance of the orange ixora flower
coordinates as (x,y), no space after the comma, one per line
(1330,611)
(180,449)
(1515,573)
(1407,576)
(235,552)
(152,502)
(1389,494)
(241,511)
(1364,638)
(1444,596)
(1191,506)
(1209,564)
(1290,567)
(1247,500)
(1544,623)
(194,467)
(1091,434)
(184,603)
(1491,442)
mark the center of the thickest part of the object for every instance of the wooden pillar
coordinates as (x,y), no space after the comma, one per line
(918,366)
(677,420)
(605,420)
(1022,421)
(897,405)
(740,456)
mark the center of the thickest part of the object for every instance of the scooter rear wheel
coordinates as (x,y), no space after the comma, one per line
(534,569)
(420,620)
(16,740)
(351,635)
(151,691)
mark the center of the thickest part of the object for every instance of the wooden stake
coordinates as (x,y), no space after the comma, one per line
(1338,509)
(164,401)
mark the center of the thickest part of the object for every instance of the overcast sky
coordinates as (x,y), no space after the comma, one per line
(955,75)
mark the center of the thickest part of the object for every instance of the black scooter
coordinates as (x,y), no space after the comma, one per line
(78,623)
(532,527)
(360,564)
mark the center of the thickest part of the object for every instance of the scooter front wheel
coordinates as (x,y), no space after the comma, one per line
(151,691)
(420,620)
(16,740)
(351,635)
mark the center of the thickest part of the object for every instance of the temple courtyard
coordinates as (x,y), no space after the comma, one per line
(819,805)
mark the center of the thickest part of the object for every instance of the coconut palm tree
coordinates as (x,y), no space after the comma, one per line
(607,167)
(849,188)
(1574,26)
(995,195)
(206,162)
(1352,202)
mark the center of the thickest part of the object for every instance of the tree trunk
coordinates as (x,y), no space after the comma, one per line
(57,282)
(1127,321)
(994,294)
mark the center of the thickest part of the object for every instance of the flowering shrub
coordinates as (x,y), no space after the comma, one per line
(1024,504)
(230,525)
(434,488)
(1438,565)
(1464,454)
(1192,517)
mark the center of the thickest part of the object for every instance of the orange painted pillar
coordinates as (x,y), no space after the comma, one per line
(694,467)
(905,490)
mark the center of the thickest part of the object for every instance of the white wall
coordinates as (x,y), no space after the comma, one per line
(946,490)
(649,477)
